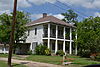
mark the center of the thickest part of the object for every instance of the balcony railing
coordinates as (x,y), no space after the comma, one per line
(53,36)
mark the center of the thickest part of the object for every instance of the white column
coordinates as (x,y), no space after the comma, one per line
(31,46)
(70,47)
(56,43)
(48,35)
(64,40)
(76,44)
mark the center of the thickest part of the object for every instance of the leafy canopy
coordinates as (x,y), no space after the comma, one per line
(89,35)
(20,28)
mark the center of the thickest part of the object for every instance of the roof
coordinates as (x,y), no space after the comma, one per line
(51,19)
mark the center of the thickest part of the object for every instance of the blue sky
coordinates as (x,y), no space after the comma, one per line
(84,8)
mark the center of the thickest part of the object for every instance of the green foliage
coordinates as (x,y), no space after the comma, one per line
(84,53)
(70,16)
(42,50)
(47,52)
(98,57)
(29,52)
(60,52)
(20,28)
(89,35)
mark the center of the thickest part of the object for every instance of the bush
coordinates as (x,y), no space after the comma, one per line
(98,57)
(84,54)
(42,50)
(29,52)
(60,52)
(47,52)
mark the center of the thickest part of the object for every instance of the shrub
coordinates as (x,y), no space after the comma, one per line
(84,54)
(47,52)
(98,57)
(60,52)
(42,50)
(29,52)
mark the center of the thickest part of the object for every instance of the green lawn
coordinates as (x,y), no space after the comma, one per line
(4,64)
(57,59)
(3,55)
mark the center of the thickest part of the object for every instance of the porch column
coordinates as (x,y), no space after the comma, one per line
(48,35)
(56,43)
(70,47)
(64,40)
(76,44)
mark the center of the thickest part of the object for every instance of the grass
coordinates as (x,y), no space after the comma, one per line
(45,59)
(57,59)
(3,55)
(4,64)
(78,61)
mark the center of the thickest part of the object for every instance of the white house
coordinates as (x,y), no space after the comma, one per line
(4,48)
(52,32)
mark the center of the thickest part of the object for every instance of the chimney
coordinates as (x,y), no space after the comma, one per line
(44,15)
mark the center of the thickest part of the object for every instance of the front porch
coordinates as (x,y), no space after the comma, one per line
(60,46)
(56,37)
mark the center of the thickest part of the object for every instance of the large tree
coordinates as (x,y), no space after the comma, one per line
(20,28)
(70,16)
(89,35)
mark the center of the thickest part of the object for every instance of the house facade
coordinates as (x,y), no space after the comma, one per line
(52,32)
(4,48)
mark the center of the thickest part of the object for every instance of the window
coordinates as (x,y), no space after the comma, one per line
(35,31)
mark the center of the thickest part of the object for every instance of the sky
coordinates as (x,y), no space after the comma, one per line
(84,8)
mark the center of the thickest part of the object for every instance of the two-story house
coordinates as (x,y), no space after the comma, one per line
(52,32)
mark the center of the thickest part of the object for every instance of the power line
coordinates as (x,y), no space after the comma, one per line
(65,9)
(73,9)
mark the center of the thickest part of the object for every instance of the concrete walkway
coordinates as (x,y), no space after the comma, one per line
(31,63)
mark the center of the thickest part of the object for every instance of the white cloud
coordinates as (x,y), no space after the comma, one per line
(97,14)
(23,3)
(6,5)
(37,16)
(5,11)
(83,3)
(38,2)
(59,16)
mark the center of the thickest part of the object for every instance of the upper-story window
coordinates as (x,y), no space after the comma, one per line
(35,31)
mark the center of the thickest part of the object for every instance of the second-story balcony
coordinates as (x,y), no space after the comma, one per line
(53,32)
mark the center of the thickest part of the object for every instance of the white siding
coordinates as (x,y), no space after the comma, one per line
(35,38)
(3,49)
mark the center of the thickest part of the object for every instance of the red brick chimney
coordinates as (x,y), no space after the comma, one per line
(44,15)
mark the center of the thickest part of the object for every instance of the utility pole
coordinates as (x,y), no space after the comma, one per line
(12,34)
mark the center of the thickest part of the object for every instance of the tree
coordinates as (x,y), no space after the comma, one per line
(20,28)
(70,16)
(89,35)
(5,28)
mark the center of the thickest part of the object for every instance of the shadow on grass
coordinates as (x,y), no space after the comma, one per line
(15,65)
